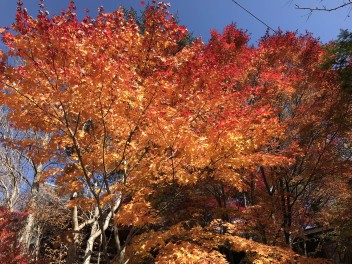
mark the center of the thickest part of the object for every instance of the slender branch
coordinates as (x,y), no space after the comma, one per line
(311,9)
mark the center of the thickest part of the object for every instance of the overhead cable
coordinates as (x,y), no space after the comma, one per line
(257,18)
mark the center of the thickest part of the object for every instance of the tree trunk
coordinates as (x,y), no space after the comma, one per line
(94,233)
(72,247)
(27,233)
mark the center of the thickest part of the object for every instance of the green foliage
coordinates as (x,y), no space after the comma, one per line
(339,57)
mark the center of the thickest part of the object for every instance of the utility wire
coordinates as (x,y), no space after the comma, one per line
(257,18)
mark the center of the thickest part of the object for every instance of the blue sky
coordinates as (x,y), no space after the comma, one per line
(200,16)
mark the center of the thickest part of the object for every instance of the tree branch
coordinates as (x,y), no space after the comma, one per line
(311,9)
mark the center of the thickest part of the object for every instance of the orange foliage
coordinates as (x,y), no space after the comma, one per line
(127,111)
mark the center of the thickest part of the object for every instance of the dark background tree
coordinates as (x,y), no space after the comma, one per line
(339,57)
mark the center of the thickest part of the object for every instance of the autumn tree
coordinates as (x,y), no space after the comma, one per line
(133,127)
(19,183)
(120,72)
(279,130)
(285,77)
(11,250)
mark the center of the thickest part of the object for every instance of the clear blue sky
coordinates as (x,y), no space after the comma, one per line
(199,16)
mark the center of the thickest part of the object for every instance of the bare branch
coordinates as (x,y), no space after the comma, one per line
(324,8)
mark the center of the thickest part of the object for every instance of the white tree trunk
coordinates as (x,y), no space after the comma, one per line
(28,230)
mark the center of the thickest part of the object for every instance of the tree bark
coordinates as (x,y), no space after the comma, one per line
(30,223)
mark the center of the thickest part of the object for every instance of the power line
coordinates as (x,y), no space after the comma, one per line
(257,18)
